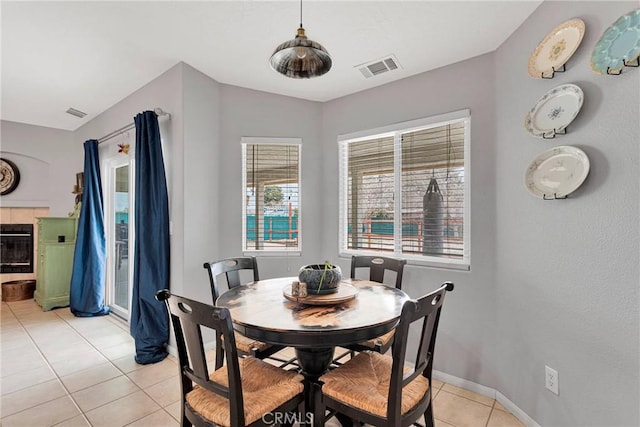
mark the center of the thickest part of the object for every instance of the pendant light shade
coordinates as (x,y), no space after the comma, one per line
(300,58)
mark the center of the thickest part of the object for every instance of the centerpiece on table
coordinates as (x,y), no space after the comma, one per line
(320,278)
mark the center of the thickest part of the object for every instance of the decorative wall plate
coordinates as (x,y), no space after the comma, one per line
(557,172)
(556,48)
(9,176)
(620,43)
(554,111)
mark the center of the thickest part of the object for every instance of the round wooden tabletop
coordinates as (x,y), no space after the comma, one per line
(260,311)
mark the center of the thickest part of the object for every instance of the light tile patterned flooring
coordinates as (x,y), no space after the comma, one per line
(57,369)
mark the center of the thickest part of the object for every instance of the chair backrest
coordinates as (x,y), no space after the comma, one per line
(188,317)
(427,309)
(231,268)
(377,266)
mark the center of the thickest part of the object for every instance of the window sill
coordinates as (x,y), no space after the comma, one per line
(461,266)
(445,265)
(273,253)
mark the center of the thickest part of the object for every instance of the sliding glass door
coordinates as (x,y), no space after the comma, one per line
(119,198)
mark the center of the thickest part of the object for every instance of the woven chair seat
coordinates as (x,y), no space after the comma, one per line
(363,382)
(246,345)
(264,387)
(380,341)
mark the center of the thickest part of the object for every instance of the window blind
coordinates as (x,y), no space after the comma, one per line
(433,191)
(272,197)
(403,192)
(370,192)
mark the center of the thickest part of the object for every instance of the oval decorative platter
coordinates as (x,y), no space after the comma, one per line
(346,292)
(556,48)
(554,111)
(557,172)
(620,43)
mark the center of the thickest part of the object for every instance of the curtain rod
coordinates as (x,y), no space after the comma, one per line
(158,111)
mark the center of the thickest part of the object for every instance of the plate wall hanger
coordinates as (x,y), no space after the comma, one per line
(555,197)
(555,132)
(626,64)
(553,72)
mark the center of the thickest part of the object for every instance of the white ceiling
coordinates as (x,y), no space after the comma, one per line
(90,55)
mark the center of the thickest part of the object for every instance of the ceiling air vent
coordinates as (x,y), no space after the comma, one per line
(76,113)
(379,66)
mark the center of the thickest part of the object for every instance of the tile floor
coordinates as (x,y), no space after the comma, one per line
(57,369)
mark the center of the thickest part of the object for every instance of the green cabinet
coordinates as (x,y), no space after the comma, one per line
(56,244)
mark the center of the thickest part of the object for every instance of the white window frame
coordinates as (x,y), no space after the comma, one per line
(396,130)
(297,251)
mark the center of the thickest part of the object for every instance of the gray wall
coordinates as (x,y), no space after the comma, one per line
(466,342)
(247,112)
(48,161)
(551,283)
(567,274)
(200,205)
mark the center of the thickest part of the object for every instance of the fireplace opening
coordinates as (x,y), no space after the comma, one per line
(16,241)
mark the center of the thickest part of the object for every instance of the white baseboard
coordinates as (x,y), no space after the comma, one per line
(465,384)
(172,350)
(489,392)
(517,412)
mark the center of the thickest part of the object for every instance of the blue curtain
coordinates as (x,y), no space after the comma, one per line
(86,297)
(149,320)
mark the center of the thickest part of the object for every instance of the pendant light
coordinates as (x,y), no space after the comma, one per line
(300,58)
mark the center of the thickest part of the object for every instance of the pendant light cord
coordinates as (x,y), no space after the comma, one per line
(300,13)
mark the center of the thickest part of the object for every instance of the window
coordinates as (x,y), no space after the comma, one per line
(404,192)
(271,188)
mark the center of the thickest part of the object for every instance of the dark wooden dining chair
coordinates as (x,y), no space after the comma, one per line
(231,269)
(239,393)
(381,390)
(377,267)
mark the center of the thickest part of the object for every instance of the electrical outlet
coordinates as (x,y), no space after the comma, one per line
(551,379)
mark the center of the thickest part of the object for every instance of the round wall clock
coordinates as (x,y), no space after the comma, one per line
(9,176)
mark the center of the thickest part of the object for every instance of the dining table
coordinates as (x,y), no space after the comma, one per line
(314,326)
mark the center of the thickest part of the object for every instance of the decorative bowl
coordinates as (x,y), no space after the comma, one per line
(320,278)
